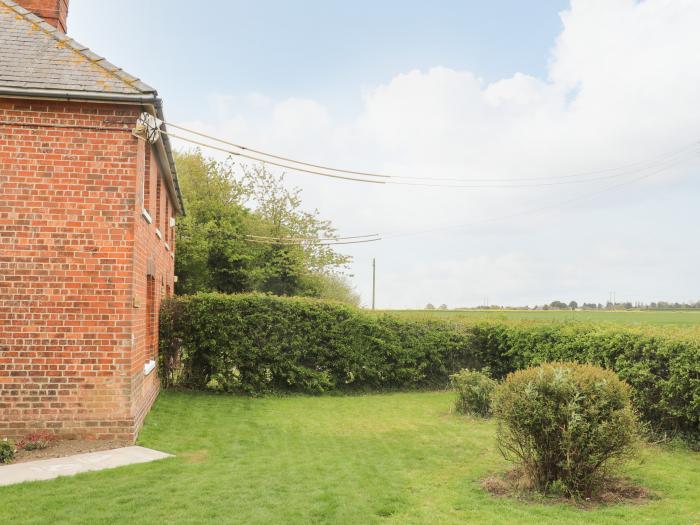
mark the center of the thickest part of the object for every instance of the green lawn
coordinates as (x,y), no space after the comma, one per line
(685,318)
(395,458)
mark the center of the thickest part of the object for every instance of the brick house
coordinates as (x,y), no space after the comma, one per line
(87,239)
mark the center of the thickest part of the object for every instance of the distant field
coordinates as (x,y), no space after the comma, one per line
(678,318)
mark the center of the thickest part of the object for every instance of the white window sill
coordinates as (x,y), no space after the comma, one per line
(149,366)
(167,246)
(146,216)
(160,235)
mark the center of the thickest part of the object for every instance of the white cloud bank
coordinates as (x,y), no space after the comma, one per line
(623,86)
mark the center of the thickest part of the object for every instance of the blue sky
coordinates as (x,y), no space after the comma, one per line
(325,50)
(497,89)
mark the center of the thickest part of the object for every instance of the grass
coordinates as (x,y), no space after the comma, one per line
(394,458)
(682,318)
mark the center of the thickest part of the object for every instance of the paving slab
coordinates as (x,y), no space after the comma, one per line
(70,465)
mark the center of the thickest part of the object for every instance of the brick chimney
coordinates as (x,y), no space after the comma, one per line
(55,12)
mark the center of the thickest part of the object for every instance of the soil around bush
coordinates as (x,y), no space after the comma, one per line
(68,447)
(513,484)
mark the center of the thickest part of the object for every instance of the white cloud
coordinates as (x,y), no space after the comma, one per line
(623,86)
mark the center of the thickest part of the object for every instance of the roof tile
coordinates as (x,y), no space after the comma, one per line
(36,55)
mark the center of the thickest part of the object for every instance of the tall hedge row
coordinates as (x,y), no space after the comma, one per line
(258,344)
(261,344)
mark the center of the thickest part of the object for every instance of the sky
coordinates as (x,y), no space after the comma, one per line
(601,94)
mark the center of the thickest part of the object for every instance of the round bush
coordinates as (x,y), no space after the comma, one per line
(566,425)
(7,451)
(474,391)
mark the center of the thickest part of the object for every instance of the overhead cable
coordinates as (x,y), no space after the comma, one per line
(267,237)
(309,241)
(203,144)
(553,205)
(416,178)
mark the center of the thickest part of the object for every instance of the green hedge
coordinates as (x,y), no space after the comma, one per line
(262,344)
(259,344)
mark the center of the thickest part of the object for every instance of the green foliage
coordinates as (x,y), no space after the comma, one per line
(565,424)
(474,391)
(225,204)
(662,366)
(333,287)
(258,344)
(7,451)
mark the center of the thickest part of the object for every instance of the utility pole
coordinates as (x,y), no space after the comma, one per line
(374,279)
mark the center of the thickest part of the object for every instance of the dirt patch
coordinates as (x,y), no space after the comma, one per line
(69,447)
(623,491)
(496,486)
(195,456)
(615,491)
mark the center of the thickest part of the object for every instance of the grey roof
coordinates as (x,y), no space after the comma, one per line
(34,55)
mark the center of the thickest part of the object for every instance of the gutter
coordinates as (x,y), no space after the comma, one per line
(92,96)
(165,139)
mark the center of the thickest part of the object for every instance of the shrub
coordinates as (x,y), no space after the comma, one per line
(565,424)
(661,365)
(474,390)
(37,441)
(7,451)
(256,344)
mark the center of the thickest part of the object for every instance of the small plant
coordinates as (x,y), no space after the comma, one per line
(37,441)
(7,451)
(565,424)
(474,391)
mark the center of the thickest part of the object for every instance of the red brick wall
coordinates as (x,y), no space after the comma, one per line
(75,250)
(152,257)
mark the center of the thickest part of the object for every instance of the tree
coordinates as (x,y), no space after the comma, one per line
(443,307)
(211,252)
(573,305)
(557,304)
(430,306)
(226,204)
(282,216)
(334,287)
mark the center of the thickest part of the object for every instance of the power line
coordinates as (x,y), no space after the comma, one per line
(286,159)
(535,185)
(309,241)
(650,162)
(389,180)
(669,162)
(389,235)
(224,150)
(266,237)
(405,177)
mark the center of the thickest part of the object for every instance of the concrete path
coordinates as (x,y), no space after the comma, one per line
(71,465)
